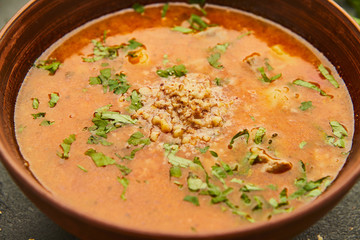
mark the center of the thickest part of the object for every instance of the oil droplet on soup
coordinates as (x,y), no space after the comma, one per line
(170,120)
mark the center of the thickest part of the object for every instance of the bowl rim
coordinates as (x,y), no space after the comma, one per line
(28,181)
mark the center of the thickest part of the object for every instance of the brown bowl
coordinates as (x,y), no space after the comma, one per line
(40,23)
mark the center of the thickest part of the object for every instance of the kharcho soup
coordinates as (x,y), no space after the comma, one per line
(178,118)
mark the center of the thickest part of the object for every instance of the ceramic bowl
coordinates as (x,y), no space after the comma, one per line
(40,23)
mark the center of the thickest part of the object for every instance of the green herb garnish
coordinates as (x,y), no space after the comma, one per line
(99,158)
(54,98)
(82,168)
(65,145)
(118,84)
(47,123)
(312,86)
(175,171)
(135,99)
(265,78)
(182,29)
(193,199)
(35,103)
(306,105)
(49,65)
(101,51)
(328,76)
(138,8)
(170,151)
(164,10)
(244,133)
(125,183)
(123,169)
(38,115)
(195,183)
(259,135)
(213,60)
(302,144)
(177,71)
(204,150)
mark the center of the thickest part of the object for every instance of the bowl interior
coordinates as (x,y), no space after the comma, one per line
(320,22)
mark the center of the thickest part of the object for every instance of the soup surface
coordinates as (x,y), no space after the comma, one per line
(175,119)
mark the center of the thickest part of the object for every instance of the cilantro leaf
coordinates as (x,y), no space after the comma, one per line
(200,2)
(65,145)
(244,133)
(265,78)
(118,85)
(312,86)
(101,51)
(164,10)
(302,144)
(245,198)
(82,168)
(305,105)
(125,183)
(54,98)
(338,129)
(177,71)
(138,8)
(35,103)
(193,199)
(197,23)
(123,169)
(137,139)
(250,187)
(204,150)
(38,115)
(49,65)
(259,135)
(135,99)
(328,76)
(214,154)
(46,123)
(182,29)
(175,171)
(195,183)
(99,158)
(170,151)
(213,60)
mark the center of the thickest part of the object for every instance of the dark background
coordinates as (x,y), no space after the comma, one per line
(20,219)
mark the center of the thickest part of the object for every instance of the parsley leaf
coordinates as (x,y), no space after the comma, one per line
(137,139)
(99,158)
(175,171)
(101,51)
(123,169)
(54,98)
(305,105)
(138,8)
(328,76)
(244,133)
(177,71)
(49,65)
(35,103)
(338,129)
(182,29)
(193,199)
(195,183)
(65,145)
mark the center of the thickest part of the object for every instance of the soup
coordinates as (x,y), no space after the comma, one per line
(174,118)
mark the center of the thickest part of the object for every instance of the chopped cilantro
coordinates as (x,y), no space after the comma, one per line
(49,65)
(214,154)
(312,86)
(213,60)
(175,171)
(250,187)
(305,105)
(99,158)
(244,133)
(101,51)
(340,143)
(117,85)
(221,47)
(164,10)
(218,81)
(125,183)
(46,123)
(97,139)
(21,128)
(302,144)
(82,168)
(235,180)
(54,98)
(259,135)
(65,145)
(38,115)
(138,8)
(133,44)
(197,23)
(245,198)
(170,151)
(267,65)
(195,183)
(265,78)
(328,76)
(244,35)
(201,3)
(259,203)
(204,150)
(182,29)
(138,139)
(123,169)
(177,71)
(35,103)
(135,99)
(193,199)
(338,129)
(272,187)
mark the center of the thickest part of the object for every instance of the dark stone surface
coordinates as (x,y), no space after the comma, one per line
(20,219)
